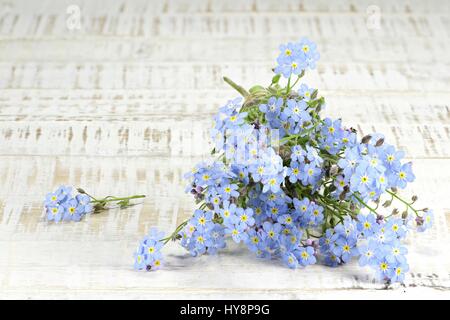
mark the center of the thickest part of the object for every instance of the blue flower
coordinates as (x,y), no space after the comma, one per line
(148,255)
(368,253)
(362,180)
(296,110)
(228,210)
(272,183)
(296,57)
(217,239)
(203,219)
(298,154)
(394,252)
(235,229)
(228,191)
(402,176)
(367,224)
(397,273)
(425,221)
(383,269)
(397,226)
(294,172)
(272,230)
(305,92)
(290,260)
(71,211)
(253,240)
(272,108)
(310,174)
(328,241)
(305,256)
(245,217)
(55,213)
(345,248)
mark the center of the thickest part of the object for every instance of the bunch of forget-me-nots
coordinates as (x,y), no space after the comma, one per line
(294,186)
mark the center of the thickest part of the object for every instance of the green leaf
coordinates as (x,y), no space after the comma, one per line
(276,78)
(256,89)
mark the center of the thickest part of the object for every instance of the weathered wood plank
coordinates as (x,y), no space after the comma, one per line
(122,106)
(328,76)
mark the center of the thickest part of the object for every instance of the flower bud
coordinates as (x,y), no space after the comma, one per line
(379,142)
(405,215)
(420,221)
(366,139)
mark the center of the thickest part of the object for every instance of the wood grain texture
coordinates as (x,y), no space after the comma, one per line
(124,104)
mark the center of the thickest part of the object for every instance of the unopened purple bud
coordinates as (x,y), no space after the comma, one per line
(380,218)
(309,242)
(420,221)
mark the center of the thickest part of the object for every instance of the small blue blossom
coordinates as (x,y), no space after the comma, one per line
(306,256)
(272,108)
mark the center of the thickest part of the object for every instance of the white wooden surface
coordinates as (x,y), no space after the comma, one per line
(122,106)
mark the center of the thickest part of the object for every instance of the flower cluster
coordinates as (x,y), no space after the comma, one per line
(295,58)
(62,205)
(148,255)
(294,186)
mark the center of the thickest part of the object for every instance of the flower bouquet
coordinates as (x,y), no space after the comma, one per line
(294,186)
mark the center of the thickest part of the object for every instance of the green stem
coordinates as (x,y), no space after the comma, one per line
(236,87)
(365,204)
(111,198)
(177,230)
(288,86)
(401,200)
(296,81)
